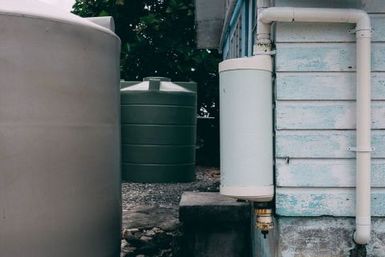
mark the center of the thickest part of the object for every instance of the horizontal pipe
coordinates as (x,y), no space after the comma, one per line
(290,14)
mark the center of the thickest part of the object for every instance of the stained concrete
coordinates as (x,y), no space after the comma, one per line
(215,226)
(319,237)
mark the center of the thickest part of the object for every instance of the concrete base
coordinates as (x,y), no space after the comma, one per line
(319,237)
(215,226)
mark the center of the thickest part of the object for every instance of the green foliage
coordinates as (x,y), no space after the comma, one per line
(158,39)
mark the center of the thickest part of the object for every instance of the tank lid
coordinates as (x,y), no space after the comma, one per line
(39,9)
(258,62)
(154,84)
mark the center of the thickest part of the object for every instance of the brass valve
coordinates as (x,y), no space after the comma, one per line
(264,220)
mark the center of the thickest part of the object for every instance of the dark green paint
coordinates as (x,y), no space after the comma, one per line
(158,130)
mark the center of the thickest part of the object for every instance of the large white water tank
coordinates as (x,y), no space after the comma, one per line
(246,128)
(59,134)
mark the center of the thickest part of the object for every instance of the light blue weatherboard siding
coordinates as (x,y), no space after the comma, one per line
(325,115)
(325,86)
(315,113)
(294,172)
(332,201)
(333,32)
(324,143)
(324,57)
(370,6)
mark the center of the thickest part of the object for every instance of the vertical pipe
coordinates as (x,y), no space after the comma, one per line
(363,158)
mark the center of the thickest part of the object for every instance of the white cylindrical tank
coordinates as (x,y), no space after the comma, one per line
(246,128)
(59,134)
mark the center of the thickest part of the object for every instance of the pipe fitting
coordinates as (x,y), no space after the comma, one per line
(364,33)
(362,234)
(281,14)
(264,220)
(362,20)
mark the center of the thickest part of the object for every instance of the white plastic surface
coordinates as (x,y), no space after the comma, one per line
(261,62)
(38,9)
(246,132)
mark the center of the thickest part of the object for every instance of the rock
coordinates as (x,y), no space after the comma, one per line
(145,238)
(150,233)
(123,243)
(169,225)
(144,217)
(157,230)
(163,240)
(165,253)
(148,249)
(134,241)
(126,249)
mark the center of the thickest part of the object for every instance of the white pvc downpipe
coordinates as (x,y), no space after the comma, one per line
(363,138)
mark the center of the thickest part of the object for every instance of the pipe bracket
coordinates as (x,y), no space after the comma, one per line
(361,150)
(366,31)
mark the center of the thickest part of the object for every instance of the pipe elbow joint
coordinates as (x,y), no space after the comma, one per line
(271,14)
(362,234)
(362,19)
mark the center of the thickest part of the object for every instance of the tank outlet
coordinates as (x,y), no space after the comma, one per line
(264,220)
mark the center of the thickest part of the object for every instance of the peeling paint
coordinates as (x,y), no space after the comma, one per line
(324,237)
(325,173)
(324,57)
(323,143)
(325,86)
(324,201)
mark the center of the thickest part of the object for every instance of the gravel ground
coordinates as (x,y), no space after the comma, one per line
(168,195)
(150,214)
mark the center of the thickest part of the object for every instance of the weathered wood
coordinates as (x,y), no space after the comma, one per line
(324,201)
(327,32)
(318,3)
(312,65)
(324,115)
(373,6)
(324,57)
(325,86)
(323,143)
(325,172)
(314,32)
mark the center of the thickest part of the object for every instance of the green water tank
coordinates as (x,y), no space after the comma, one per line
(158,130)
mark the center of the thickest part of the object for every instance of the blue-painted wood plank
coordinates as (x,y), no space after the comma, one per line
(327,32)
(324,172)
(319,3)
(323,143)
(324,115)
(324,57)
(322,201)
(373,6)
(325,86)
